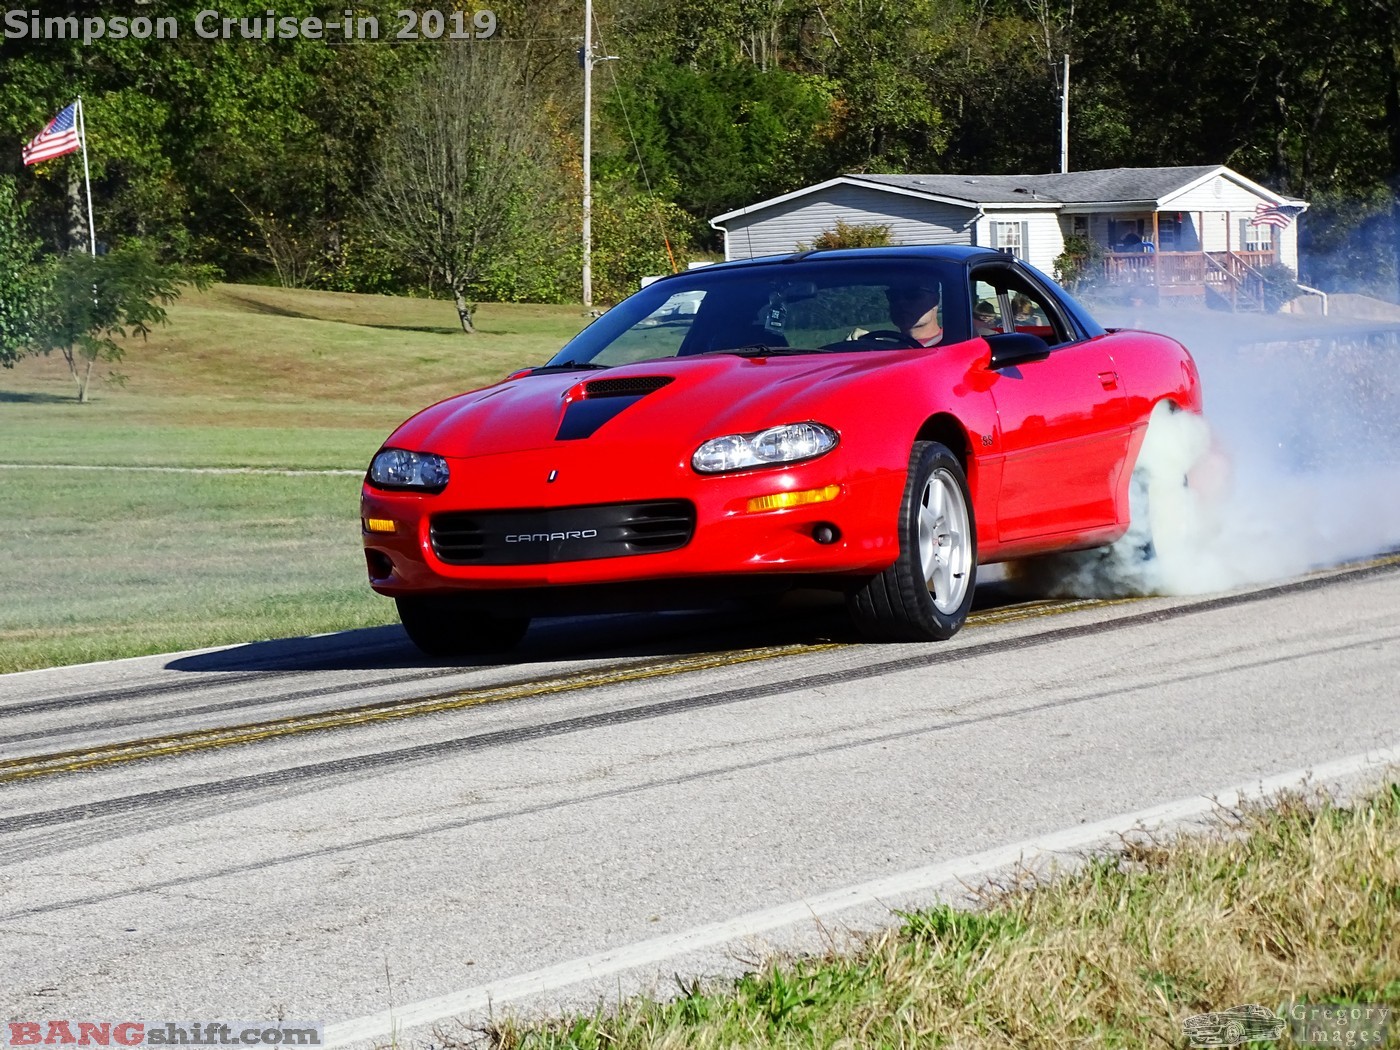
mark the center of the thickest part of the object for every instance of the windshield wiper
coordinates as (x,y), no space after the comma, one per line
(764,350)
(567,366)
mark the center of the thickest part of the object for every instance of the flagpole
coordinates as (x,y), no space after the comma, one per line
(87,177)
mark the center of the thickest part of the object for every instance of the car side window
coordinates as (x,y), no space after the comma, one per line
(986,309)
(1005,301)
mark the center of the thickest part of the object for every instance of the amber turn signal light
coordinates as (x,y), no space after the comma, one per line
(784,500)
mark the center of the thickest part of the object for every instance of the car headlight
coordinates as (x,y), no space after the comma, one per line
(788,443)
(395,468)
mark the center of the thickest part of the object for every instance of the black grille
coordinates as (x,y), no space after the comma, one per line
(535,537)
(626,386)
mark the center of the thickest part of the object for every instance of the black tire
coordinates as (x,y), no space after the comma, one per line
(441,626)
(905,602)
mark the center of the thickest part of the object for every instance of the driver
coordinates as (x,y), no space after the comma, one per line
(914,311)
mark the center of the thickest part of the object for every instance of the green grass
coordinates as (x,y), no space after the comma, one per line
(121,563)
(1297,901)
(116,563)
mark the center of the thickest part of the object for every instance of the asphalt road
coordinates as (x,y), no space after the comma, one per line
(328,828)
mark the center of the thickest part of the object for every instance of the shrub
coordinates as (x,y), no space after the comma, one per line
(849,235)
(1280,286)
(1080,265)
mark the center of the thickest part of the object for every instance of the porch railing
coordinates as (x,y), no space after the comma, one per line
(1186,273)
(1236,276)
(1162,269)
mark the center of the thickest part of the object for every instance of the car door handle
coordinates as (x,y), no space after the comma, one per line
(1109,380)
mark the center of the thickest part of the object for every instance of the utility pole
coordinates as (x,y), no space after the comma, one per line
(586,60)
(1064,119)
(586,57)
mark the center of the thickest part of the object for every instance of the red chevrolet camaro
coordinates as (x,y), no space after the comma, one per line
(879,422)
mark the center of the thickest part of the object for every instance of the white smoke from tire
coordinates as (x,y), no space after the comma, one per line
(1295,467)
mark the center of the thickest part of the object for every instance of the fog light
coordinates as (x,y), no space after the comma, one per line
(380,567)
(379,524)
(826,533)
(784,500)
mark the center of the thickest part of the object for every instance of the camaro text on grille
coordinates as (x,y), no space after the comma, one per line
(545,537)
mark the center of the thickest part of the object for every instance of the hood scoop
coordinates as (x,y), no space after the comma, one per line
(626,386)
(600,400)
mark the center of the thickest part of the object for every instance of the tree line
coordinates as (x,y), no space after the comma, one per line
(323,165)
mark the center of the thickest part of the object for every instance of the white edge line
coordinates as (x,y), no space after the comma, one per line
(387,1023)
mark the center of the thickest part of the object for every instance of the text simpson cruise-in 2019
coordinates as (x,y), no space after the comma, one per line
(407,24)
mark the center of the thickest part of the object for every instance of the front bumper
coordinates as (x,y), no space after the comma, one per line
(728,539)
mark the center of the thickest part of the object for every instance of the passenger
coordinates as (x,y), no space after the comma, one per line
(984,319)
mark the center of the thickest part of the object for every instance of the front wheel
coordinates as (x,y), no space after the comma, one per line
(441,626)
(926,594)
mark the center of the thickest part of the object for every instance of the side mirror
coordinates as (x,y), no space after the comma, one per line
(1016,348)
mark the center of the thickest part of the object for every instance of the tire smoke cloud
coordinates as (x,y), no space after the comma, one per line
(1295,467)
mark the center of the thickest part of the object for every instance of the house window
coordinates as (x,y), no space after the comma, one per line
(1168,233)
(1258,238)
(1125,234)
(1010,237)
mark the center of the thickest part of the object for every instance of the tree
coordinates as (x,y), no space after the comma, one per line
(719,139)
(24,278)
(182,130)
(93,299)
(456,172)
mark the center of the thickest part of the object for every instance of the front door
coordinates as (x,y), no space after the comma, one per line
(1063,419)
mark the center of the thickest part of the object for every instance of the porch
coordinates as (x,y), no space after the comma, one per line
(1232,276)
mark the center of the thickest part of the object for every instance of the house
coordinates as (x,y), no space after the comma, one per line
(1183,231)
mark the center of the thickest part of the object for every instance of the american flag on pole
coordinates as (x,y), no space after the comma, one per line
(60,137)
(1273,215)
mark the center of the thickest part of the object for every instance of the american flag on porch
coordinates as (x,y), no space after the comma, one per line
(60,137)
(1273,215)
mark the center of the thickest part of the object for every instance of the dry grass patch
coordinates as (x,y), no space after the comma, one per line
(1295,902)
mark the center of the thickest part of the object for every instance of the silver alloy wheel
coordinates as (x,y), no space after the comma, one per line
(945,550)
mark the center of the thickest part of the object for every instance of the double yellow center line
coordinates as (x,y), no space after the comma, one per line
(101,755)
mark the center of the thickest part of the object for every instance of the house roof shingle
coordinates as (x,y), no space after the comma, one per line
(1074,187)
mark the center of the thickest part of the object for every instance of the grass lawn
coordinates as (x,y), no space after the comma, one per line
(1297,902)
(123,562)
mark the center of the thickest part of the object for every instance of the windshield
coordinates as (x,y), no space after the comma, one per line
(812,306)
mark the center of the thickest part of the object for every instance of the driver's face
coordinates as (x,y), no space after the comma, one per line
(911,308)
